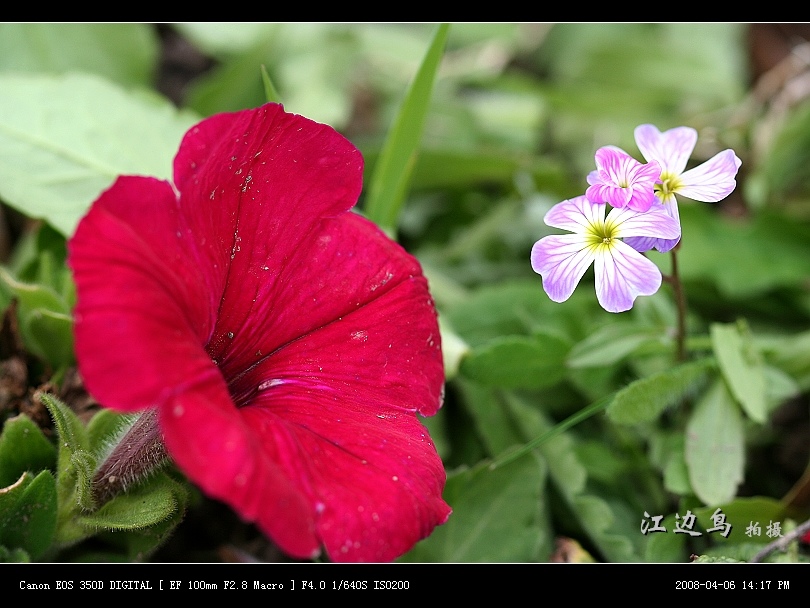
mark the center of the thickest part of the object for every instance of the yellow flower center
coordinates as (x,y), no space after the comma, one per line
(669,185)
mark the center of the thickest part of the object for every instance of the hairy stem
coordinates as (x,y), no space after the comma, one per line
(139,453)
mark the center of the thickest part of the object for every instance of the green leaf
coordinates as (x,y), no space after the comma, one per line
(75,459)
(741,366)
(145,505)
(715,446)
(104,426)
(64,139)
(645,399)
(23,447)
(496,516)
(518,362)
(28,514)
(600,518)
(126,53)
(610,344)
(392,173)
(748,511)
(269,89)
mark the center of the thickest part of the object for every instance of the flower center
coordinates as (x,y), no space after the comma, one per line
(669,185)
(601,234)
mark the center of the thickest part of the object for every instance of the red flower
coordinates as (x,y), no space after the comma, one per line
(286,343)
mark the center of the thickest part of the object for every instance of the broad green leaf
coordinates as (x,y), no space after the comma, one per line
(603,520)
(50,335)
(792,355)
(147,504)
(497,516)
(126,53)
(28,513)
(23,447)
(741,366)
(745,514)
(752,243)
(518,362)
(389,184)
(610,344)
(64,139)
(665,547)
(715,446)
(645,399)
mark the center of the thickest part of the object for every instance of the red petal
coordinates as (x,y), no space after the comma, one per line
(142,312)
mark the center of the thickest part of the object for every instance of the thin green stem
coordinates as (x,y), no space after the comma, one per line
(680,302)
(563,426)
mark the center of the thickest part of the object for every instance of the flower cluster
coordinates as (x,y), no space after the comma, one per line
(644,216)
(284,343)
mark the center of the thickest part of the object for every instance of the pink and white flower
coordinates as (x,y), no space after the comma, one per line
(709,182)
(621,272)
(621,180)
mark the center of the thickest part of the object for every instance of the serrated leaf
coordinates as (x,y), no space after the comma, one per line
(23,447)
(495,516)
(518,362)
(28,513)
(741,367)
(715,446)
(64,139)
(645,399)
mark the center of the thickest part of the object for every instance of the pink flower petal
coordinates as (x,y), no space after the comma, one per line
(621,275)
(287,343)
(561,260)
(713,180)
(622,181)
(575,215)
(656,222)
(671,149)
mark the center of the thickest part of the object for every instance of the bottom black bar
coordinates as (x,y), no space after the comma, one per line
(646,580)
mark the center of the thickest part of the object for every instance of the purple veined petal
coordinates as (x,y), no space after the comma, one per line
(576,214)
(713,180)
(656,222)
(621,180)
(671,207)
(561,260)
(622,274)
(671,149)
(641,243)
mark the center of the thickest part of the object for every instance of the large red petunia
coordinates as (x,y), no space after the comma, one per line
(285,341)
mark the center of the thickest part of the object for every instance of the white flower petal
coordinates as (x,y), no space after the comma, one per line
(713,180)
(561,260)
(656,222)
(576,215)
(671,149)
(622,274)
